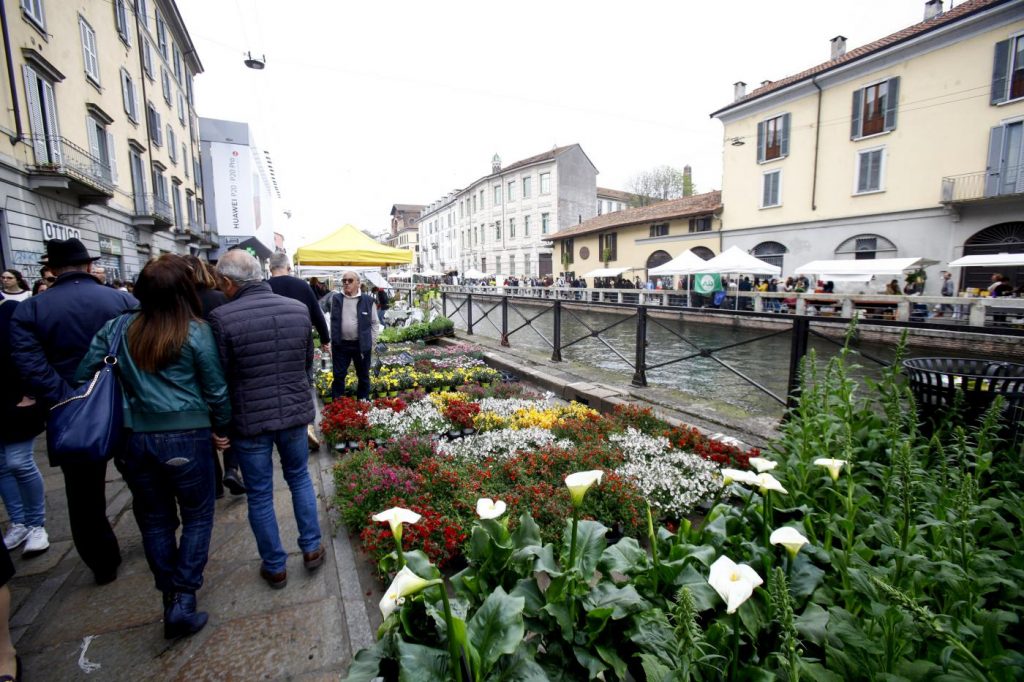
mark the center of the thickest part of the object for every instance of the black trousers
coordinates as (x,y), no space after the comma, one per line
(86,487)
(343,353)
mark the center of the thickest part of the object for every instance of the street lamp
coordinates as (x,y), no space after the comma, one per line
(257,64)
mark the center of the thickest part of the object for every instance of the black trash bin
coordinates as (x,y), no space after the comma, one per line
(935,381)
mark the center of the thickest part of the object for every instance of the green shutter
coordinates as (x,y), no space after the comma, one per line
(858,108)
(785,135)
(760,141)
(993,173)
(1000,68)
(892,102)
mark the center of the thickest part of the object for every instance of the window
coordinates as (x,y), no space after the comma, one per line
(121,20)
(511,191)
(42,108)
(190,203)
(147,58)
(474,203)
(184,158)
(608,244)
(770,252)
(155,126)
(773,138)
(771,194)
(526,226)
(142,11)
(1005,174)
(497,231)
(33,10)
(512,265)
(89,51)
(545,223)
(659,230)
(181,107)
(567,255)
(474,237)
(700,224)
(545,183)
(1007,71)
(138,179)
(172,144)
(867,247)
(159,184)
(527,186)
(165,83)
(511,228)
(178,62)
(874,108)
(131,104)
(101,147)
(481,200)
(497,195)
(176,199)
(870,163)
(161,34)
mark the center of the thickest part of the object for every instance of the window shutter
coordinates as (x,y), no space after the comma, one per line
(892,102)
(50,114)
(766,190)
(94,143)
(785,135)
(126,93)
(113,158)
(35,115)
(993,173)
(858,108)
(1000,67)
(760,141)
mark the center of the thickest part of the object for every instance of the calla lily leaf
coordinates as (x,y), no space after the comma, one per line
(590,543)
(422,663)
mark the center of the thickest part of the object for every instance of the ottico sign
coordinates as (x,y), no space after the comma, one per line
(58,231)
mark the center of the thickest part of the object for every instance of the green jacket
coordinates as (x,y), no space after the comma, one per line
(190,393)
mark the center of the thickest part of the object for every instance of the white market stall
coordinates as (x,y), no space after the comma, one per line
(988,260)
(736,261)
(855,270)
(687,263)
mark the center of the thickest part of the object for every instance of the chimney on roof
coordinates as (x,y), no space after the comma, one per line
(687,181)
(739,89)
(838,46)
(765,83)
(932,9)
(496,164)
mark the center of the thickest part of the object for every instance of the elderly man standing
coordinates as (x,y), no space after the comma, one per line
(49,336)
(354,330)
(266,347)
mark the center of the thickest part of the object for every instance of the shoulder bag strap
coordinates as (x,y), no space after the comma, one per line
(115,339)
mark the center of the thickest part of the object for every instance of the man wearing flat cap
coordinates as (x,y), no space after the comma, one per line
(49,337)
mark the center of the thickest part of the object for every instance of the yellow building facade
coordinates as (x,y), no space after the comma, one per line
(908,146)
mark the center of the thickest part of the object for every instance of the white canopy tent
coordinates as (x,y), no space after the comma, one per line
(473,273)
(371,274)
(845,270)
(606,272)
(401,274)
(735,260)
(988,260)
(429,273)
(685,263)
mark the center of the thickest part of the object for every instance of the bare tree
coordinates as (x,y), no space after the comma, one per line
(659,184)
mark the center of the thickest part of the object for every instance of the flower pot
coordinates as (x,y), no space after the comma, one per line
(353,445)
(454,433)
(392,394)
(468,432)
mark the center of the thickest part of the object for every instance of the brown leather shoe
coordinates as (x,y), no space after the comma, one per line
(275,580)
(314,559)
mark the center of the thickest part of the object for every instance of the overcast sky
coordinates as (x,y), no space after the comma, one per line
(367,104)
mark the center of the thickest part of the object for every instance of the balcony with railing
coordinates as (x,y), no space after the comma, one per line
(61,164)
(153,209)
(1005,182)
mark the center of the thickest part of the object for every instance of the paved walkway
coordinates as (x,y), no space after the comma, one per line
(66,627)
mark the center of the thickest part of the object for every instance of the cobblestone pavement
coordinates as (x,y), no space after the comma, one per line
(65,627)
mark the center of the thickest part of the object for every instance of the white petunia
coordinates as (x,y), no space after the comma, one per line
(733,582)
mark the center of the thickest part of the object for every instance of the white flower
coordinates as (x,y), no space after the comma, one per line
(674,482)
(834,466)
(638,445)
(762,464)
(580,482)
(739,476)
(395,517)
(790,538)
(500,443)
(404,584)
(486,508)
(733,582)
(767,482)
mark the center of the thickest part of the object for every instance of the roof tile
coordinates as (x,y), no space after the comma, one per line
(699,204)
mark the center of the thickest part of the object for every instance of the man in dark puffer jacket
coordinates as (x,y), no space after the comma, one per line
(266,347)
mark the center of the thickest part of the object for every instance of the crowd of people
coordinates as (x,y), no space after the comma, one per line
(213,363)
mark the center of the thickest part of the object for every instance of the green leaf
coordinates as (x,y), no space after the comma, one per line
(418,663)
(626,557)
(527,533)
(622,600)
(655,670)
(653,634)
(496,628)
(590,544)
(812,623)
(752,616)
(419,563)
(522,668)
(804,578)
(596,620)
(527,589)
(609,656)
(704,596)
(366,664)
(588,660)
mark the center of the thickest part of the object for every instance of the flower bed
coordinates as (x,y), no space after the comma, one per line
(439,326)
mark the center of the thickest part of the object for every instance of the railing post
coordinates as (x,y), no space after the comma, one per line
(797,351)
(556,332)
(976,315)
(504,320)
(640,375)
(469,314)
(444,304)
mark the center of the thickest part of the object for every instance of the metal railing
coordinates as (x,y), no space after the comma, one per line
(64,157)
(154,206)
(1008,181)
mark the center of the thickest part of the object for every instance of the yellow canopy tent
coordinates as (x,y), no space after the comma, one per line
(349,246)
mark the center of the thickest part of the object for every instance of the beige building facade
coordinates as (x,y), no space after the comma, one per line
(908,146)
(100,136)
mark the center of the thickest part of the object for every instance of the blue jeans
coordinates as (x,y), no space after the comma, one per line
(255,456)
(166,471)
(21,484)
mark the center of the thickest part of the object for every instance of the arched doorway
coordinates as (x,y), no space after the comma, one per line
(866,247)
(770,252)
(704,252)
(658,258)
(1001,238)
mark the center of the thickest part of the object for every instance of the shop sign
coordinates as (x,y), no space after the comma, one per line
(111,245)
(58,231)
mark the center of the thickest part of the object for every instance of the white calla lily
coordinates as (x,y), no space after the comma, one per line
(733,582)
(762,464)
(486,508)
(767,482)
(834,466)
(790,538)
(580,482)
(738,476)
(405,583)
(395,517)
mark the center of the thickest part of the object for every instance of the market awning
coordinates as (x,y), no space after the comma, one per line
(606,272)
(429,273)
(349,246)
(989,260)
(735,260)
(685,263)
(475,274)
(834,269)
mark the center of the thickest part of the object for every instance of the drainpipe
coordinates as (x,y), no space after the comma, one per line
(15,139)
(817,137)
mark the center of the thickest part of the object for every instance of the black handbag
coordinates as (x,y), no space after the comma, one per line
(87,426)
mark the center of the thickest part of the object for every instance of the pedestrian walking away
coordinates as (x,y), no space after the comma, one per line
(266,348)
(49,337)
(175,392)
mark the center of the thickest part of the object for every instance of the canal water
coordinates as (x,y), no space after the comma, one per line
(766,361)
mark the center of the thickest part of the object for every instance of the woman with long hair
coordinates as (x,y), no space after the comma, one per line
(14,285)
(175,391)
